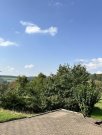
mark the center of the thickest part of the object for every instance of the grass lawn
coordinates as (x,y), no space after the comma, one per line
(97,111)
(6,115)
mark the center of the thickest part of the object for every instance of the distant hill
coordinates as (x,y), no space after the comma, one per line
(6,78)
(97,77)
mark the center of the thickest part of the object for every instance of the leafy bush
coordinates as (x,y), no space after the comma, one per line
(69,88)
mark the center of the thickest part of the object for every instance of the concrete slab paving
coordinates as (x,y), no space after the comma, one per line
(61,122)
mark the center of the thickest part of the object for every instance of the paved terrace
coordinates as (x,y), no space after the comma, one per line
(56,123)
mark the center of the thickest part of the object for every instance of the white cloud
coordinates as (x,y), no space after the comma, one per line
(80,60)
(99,60)
(55,3)
(26,23)
(5,43)
(30,66)
(9,69)
(58,4)
(31,28)
(99,72)
(92,65)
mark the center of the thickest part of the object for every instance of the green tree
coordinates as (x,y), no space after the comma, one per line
(22,81)
(86,97)
(80,74)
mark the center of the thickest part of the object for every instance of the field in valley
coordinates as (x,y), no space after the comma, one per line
(97,111)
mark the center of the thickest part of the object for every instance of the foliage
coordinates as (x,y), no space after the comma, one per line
(86,96)
(69,88)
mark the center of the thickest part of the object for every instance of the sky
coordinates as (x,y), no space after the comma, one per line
(39,35)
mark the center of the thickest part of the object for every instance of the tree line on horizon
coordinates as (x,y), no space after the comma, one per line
(70,88)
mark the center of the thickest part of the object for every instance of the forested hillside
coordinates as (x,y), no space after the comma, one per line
(97,77)
(7,79)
